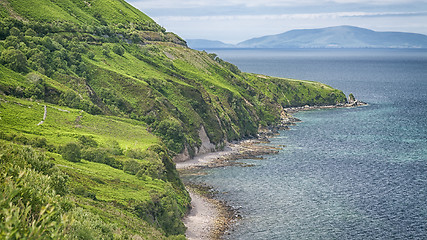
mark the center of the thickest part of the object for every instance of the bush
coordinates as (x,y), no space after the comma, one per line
(90,226)
(172,134)
(87,141)
(153,170)
(115,148)
(119,50)
(100,156)
(71,152)
(30,209)
(135,154)
(132,167)
(14,59)
(26,157)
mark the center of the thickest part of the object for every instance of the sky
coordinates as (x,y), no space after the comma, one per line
(234,21)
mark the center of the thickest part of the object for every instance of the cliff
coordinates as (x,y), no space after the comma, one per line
(106,97)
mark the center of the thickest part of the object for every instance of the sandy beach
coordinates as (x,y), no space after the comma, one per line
(209,218)
(200,221)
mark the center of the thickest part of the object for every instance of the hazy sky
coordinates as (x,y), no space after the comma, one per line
(233,21)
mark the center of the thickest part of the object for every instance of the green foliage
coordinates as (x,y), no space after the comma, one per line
(71,152)
(132,167)
(105,58)
(14,59)
(119,50)
(172,134)
(152,212)
(87,141)
(90,226)
(28,187)
(100,155)
(31,208)
(32,216)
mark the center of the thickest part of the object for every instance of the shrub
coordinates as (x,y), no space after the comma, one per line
(90,226)
(151,169)
(119,50)
(14,59)
(106,51)
(91,55)
(115,148)
(87,141)
(132,167)
(71,152)
(30,32)
(172,134)
(100,156)
(135,154)
(29,208)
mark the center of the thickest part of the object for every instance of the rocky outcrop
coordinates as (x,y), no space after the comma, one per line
(206,146)
(182,157)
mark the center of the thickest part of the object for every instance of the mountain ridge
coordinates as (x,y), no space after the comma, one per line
(335,37)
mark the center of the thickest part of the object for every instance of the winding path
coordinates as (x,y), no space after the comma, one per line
(44,116)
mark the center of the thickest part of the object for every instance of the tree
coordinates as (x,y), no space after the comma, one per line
(71,152)
(30,32)
(15,32)
(14,59)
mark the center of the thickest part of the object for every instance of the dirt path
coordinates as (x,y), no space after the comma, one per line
(44,116)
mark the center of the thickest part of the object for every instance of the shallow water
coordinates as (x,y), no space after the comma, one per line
(355,173)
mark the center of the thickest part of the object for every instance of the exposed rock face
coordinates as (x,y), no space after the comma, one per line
(206,146)
(182,157)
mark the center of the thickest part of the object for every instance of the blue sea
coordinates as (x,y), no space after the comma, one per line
(350,173)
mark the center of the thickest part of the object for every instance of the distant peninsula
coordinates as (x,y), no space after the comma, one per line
(330,37)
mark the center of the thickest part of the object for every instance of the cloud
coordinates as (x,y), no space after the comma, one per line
(289,16)
(236,20)
(152,4)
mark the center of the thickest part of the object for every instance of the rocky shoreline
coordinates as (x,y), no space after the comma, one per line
(204,197)
(287,120)
(222,220)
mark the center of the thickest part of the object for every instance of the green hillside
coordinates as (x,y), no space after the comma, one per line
(96,100)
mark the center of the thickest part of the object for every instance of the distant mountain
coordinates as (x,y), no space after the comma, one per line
(338,37)
(206,44)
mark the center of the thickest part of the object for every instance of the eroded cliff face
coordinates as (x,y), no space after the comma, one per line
(137,95)
(206,147)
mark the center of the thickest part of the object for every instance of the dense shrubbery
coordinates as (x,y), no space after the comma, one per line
(31,206)
(22,139)
(149,164)
(71,152)
(14,59)
(34,202)
(172,134)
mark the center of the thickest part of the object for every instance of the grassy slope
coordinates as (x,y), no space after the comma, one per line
(75,11)
(20,117)
(156,83)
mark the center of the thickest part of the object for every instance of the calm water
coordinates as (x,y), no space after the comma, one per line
(358,173)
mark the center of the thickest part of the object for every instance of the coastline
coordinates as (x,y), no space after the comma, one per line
(210,218)
(200,221)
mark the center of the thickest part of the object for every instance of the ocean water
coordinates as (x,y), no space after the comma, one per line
(351,173)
